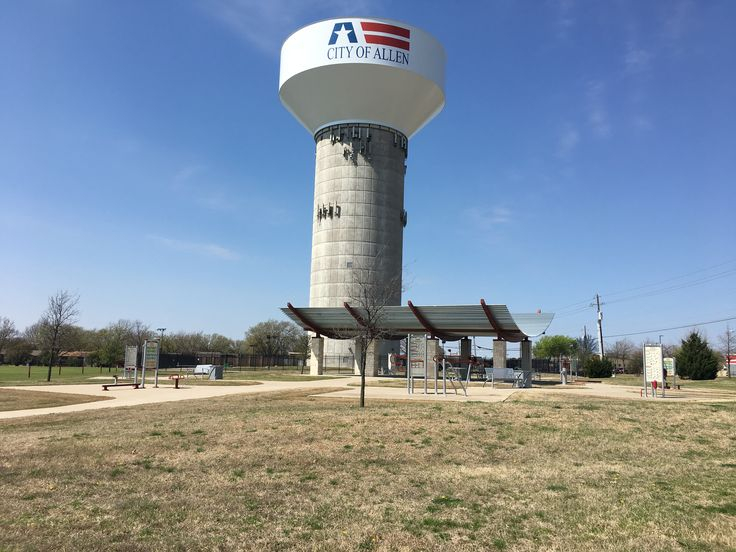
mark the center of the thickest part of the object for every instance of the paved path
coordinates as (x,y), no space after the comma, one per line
(127,396)
(489,394)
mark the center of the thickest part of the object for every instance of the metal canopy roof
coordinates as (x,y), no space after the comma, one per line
(445,322)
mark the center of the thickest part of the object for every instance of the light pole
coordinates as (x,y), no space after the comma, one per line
(158,359)
(269,345)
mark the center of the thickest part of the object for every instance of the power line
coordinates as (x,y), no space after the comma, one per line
(573,305)
(671,279)
(576,311)
(675,287)
(702,280)
(675,327)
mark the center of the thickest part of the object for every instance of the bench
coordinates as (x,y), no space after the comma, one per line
(176,379)
(106,386)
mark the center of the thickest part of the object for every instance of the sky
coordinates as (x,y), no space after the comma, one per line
(147,164)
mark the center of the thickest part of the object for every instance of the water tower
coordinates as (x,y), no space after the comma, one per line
(362,87)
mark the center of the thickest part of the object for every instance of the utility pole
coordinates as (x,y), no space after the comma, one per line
(600,324)
(728,350)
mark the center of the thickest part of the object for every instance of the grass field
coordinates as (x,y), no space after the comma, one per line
(14,399)
(289,472)
(18,375)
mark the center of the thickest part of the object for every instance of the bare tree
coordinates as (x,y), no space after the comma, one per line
(7,332)
(57,324)
(139,333)
(636,360)
(370,294)
(622,350)
(727,347)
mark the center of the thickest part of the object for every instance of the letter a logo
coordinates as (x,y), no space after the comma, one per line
(340,29)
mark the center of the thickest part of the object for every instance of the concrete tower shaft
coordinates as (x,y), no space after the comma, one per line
(359,216)
(361,86)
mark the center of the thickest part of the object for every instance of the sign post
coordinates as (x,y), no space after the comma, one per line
(653,368)
(669,365)
(150,360)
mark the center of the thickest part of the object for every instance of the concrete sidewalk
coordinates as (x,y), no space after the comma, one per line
(490,394)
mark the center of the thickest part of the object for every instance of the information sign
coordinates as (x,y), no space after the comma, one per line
(131,362)
(131,356)
(151,357)
(653,364)
(669,365)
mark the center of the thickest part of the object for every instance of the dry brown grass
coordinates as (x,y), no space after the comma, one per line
(15,399)
(288,472)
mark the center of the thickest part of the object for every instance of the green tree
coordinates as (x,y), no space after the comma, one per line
(554,346)
(221,344)
(586,347)
(597,368)
(185,342)
(696,360)
(272,338)
(112,340)
(18,350)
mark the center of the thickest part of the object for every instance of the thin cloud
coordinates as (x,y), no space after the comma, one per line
(203,249)
(187,172)
(597,110)
(642,123)
(565,16)
(193,182)
(265,24)
(567,141)
(677,19)
(636,60)
(218,202)
(486,218)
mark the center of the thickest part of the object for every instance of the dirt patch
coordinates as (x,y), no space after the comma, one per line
(15,399)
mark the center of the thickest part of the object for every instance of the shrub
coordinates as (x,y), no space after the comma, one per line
(597,368)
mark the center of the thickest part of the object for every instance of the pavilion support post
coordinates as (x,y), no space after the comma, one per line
(526,361)
(317,356)
(433,357)
(465,348)
(499,353)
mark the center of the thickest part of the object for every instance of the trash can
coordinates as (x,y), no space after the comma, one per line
(216,373)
